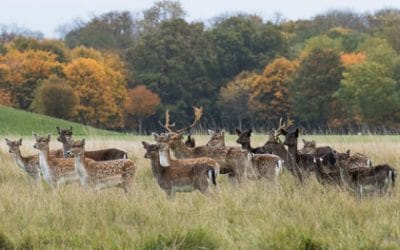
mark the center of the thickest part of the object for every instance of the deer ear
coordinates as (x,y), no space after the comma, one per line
(156,136)
(238,131)
(70,128)
(7,141)
(35,135)
(211,132)
(223,132)
(296,133)
(348,152)
(83,141)
(48,137)
(145,144)
(58,130)
(249,132)
(20,141)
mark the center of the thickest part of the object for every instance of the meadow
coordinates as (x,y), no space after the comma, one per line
(255,215)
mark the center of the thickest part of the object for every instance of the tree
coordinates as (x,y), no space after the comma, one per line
(235,97)
(101,92)
(312,88)
(370,94)
(141,102)
(349,59)
(378,50)
(55,97)
(270,91)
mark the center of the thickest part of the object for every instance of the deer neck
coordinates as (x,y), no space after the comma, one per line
(165,159)
(293,150)
(81,166)
(45,167)
(181,150)
(19,160)
(156,166)
(66,147)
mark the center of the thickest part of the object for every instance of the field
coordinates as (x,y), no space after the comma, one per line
(256,215)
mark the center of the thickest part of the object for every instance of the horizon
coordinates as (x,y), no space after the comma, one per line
(32,18)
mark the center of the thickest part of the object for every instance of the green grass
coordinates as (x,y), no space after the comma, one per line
(22,123)
(256,215)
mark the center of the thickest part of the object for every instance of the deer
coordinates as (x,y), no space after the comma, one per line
(55,171)
(310,147)
(98,155)
(355,161)
(101,174)
(233,161)
(217,139)
(377,179)
(244,140)
(180,175)
(28,164)
(306,163)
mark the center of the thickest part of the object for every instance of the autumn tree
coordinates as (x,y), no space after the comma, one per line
(55,97)
(101,92)
(313,86)
(235,98)
(349,59)
(270,91)
(141,103)
(24,70)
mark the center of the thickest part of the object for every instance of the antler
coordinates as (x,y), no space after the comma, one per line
(198,112)
(167,124)
(278,131)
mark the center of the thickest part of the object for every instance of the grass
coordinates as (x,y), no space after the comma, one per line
(23,123)
(257,215)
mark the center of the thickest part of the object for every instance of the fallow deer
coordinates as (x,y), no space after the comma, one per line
(98,155)
(180,175)
(233,161)
(244,140)
(101,174)
(55,171)
(355,161)
(310,147)
(28,164)
(375,179)
(217,139)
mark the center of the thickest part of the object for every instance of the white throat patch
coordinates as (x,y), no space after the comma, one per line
(164,160)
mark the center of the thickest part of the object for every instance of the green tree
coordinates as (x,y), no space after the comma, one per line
(371,95)
(317,78)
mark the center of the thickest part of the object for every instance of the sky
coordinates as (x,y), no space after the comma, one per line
(47,15)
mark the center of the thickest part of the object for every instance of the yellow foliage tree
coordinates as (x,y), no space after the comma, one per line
(141,102)
(101,91)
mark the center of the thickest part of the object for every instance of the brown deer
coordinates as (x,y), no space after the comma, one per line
(371,180)
(274,145)
(355,161)
(28,164)
(310,147)
(55,171)
(217,139)
(98,155)
(233,161)
(101,174)
(180,175)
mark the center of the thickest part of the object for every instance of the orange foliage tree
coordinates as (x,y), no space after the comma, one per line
(24,70)
(270,92)
(141,102)
(349,59)
(101,91)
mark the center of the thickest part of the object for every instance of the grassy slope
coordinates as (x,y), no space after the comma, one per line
(254,216)
(18,122)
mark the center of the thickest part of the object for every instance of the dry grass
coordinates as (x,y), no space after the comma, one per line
(256,215)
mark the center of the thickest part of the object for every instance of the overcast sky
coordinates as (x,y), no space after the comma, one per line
(46,15)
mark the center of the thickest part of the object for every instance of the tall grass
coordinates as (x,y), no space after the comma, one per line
(256,215)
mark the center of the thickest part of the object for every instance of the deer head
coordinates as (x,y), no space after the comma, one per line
(41,142)
(77,147)
(244,137)
(13,145)
(63,134)
(217,138)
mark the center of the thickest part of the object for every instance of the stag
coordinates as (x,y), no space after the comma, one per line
(233,161)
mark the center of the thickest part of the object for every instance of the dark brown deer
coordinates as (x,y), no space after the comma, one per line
(65,135)
(180,175)
(274,145)
(377,179)
(244,140)
(310,147)
(233,161)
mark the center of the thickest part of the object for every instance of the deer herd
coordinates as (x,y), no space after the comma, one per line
(181,166)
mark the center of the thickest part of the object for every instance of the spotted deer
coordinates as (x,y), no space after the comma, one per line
(217,139)
(55,171)
(98,155)
(101,174)
(355,161)
(310,147)
(183,174)
(377,179)
(232,160)
(28,164)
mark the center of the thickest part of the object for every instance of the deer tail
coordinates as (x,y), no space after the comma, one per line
(212,175)
(393,175)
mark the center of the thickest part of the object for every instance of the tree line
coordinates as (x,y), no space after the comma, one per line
(121,70)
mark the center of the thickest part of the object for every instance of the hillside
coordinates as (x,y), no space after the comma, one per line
(18,122)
